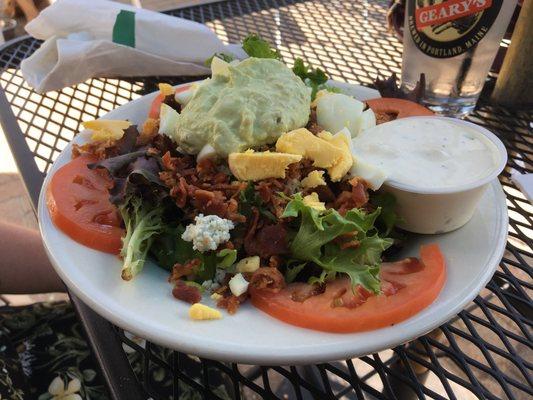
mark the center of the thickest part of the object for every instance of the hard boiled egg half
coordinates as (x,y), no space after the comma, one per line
(335,111)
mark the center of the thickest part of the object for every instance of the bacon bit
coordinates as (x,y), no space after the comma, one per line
(274,262)
(325,194)
(348,299)
(207,168)
(211,203)
(184,292)
(201,188)
(356,198)
(268,278)
(406,266)
(352,244)
(269,241)
(181,270)
(252,225)
(390,288)
(308,291)
(101,150)
(385,116)
(180,193)
(232,303)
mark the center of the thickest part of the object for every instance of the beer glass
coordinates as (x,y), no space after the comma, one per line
(451,45)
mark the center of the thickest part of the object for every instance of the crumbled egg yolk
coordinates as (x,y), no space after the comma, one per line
(313,201)
(302,142)
(314,179)
(216,296)
(201,312)
(106,129)
(254,166)
(326,151)
(343,165)
(248,264)
(165,89)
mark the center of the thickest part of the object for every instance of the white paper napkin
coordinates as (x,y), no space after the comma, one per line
(97,38)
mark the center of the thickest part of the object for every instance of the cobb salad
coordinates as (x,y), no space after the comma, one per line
(245,187)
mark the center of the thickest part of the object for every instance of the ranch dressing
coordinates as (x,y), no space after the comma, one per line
(428,152)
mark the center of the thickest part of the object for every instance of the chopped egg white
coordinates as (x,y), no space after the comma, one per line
(336,111)
(168,118)
(372,174)
(207,151)
(367,120)
(238,285)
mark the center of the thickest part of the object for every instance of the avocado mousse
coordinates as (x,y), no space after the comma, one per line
(251,104)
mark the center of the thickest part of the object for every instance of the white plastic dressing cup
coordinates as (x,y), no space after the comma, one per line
(443,209)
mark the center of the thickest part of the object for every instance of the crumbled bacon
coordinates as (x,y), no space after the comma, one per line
(350,299)
(306,291)
(270,240)
(101,150)
(187,293)
(201,188)
(275,261)
(385,116)
(325,193)
(231,303)
(181,270)
(268,278)
(357,197)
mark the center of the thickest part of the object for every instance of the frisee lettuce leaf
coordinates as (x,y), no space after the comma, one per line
(314,241)
(254,46)
(316,78)
(143,221)
(388,217)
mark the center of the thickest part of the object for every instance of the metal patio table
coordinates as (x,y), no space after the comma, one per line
(484,352)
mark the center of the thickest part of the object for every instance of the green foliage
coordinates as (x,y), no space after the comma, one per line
(248,199)
(314,78)
(142,222)
(168,248)
(315,242)
(254,46)
(387,218)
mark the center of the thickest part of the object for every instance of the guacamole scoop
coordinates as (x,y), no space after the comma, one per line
(252,104)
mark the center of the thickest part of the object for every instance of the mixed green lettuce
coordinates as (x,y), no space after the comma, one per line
(314,242)
(168,249)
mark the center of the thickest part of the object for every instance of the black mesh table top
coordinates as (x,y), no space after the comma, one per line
(484,352)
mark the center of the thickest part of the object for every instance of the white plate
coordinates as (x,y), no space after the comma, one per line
(145,306)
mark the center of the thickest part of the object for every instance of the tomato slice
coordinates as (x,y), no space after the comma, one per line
(78,201)
(158,100)
(399,108)
(408,286)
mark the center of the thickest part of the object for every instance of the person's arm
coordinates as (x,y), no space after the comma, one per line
(24,265)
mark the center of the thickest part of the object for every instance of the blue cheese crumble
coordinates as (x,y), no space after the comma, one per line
(207,232)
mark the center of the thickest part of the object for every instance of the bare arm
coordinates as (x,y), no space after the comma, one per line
(24,265)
